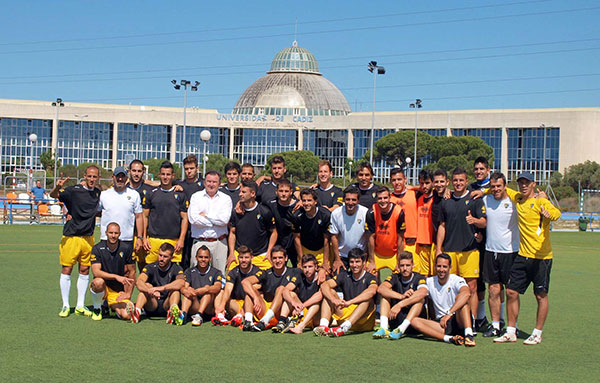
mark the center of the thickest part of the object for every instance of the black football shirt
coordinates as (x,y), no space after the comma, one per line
(312,230)
(236,276)
(253,228)
(164,220)
(113,262)
(82,206)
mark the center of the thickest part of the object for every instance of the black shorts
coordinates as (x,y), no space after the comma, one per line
(160,309)
(394,323)
(480,280)
(496,267)
(527,270)
(453,327)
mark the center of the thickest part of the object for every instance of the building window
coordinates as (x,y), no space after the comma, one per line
(492,137)
(331,145)
(143,141)
(16,151)
(218,143)
(526,151)
(255,145)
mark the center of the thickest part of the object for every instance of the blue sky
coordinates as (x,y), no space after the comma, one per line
(452,55)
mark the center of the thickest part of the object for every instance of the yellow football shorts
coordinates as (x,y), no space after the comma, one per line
(382,262)
(319,254)
(111,296)
(76,249)
(465,263)
(155,244)
(260,261)
(422,260)
(365,323)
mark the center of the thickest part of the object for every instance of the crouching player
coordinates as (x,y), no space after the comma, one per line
(302,296)
(202,284)
(159,284)
(402,300)
(449,295)
(231,299)
(114,273)
(356,310)
(263,291)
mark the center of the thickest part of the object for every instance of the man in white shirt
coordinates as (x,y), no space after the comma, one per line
(122,205)
(449,296)
(209,213)
(347,228)
(501,247)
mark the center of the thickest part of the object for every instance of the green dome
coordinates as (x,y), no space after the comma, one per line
(295,59)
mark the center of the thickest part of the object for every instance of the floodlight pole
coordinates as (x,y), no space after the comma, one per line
(416,105)
(375,69)
(544,154)
(58,104)
(184,84)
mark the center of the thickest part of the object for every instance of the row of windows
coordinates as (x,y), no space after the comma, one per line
(492,137)
(331,145)
(218,143)
(289,112)
(255,145)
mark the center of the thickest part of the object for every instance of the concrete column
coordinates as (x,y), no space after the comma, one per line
(231,141)
(115,144)
(300,144)
(350,153)
(173,143)
(504,156)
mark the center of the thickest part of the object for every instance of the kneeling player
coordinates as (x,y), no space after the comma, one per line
(263,291)
(202,284)
(302,297)
(231,299)
(402,300)
(449,295)
(356,310)
(114,273)
(159,284)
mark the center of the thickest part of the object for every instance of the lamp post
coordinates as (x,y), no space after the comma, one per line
(205,136)
(80,117)
(416,105)
(544,154)
(58,104)
(193,88)
(32,139)
(349,173)
(375,69)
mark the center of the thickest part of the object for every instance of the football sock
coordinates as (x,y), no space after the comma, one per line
(346,326)
(97,298)
(383,322)
(511,330)
(65,288)
(404,326)
(536,332)
(268,316)
(324,322)
(481,310)
(496,325)
(468,331)
(502,310)
(447,338)
(82,286)
(248,317)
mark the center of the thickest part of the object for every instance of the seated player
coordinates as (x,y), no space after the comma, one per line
(202,284)
(401,299)
(356,310)
(231,299)
(158,285)
(114,273)
(302,297)
(449,295)
(262,298)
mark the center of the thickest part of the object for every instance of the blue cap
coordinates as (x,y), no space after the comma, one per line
(119,170)
(527,176)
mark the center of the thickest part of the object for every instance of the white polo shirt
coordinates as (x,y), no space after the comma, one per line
(208,215)
(502,230)
(350,229)
(120,208)
(443,296)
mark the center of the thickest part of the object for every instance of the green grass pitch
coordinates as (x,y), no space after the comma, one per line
(37,345)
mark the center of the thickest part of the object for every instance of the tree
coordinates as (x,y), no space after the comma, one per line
(217,161)
(154,167)
(399,146)
(588,173)
(302,165)
(47,160)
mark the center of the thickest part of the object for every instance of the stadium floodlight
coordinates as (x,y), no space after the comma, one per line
(184,84)
(375,69)
(416,105)
(57,104)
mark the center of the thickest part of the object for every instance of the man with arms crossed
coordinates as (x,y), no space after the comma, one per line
(202,284)
(302,297)
(501,247)
(356,310)
(77,240)
(385,222)
(165,216)
(159,284)
(265,302)
(209,213)
(449,295)
(254,228)
(401,301)
(461,218)
(348,229)
(232,297)
(114,273)
(534,261)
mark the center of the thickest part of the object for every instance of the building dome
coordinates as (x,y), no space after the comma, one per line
(293,86)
